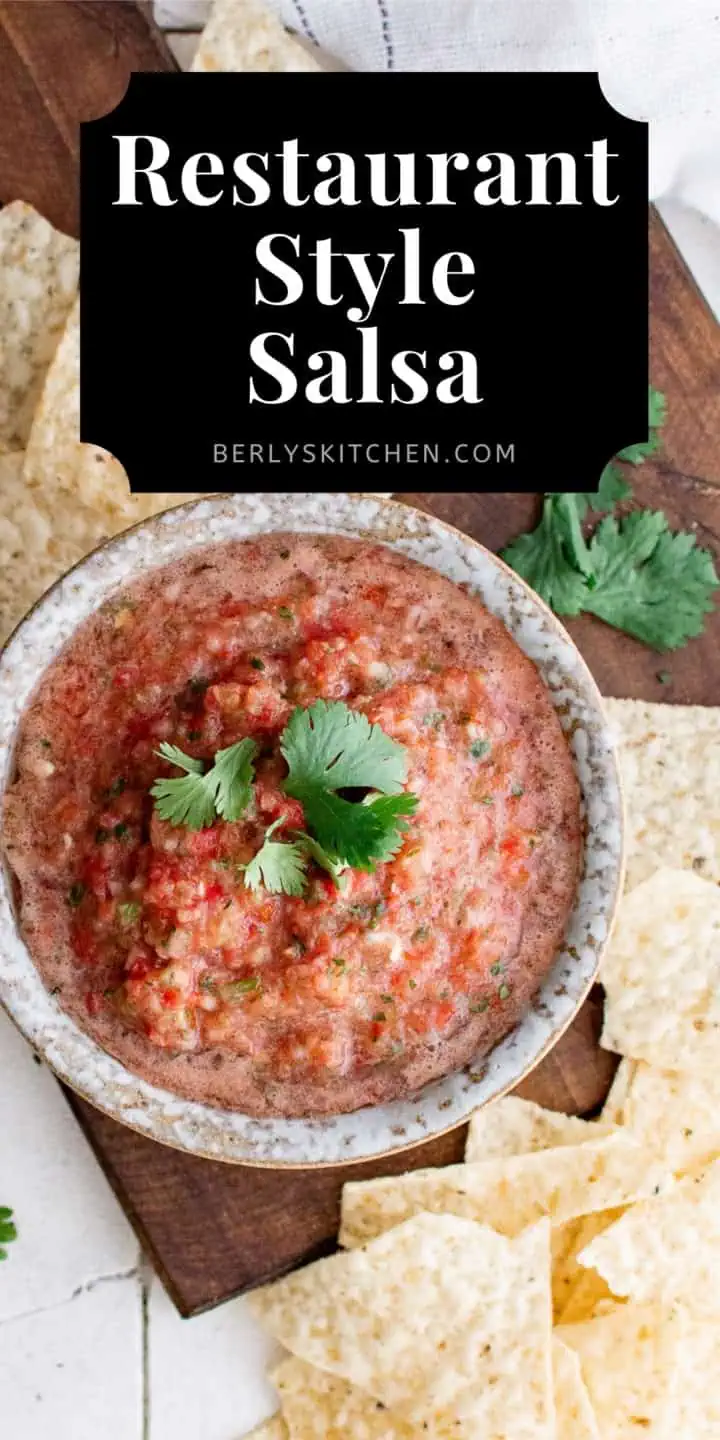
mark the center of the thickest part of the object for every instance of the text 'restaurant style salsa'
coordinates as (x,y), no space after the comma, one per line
(279,905)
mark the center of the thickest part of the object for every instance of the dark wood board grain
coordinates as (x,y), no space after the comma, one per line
(62,63)
(211,1229)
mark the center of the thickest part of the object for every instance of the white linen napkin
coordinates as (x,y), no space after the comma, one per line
(658,60)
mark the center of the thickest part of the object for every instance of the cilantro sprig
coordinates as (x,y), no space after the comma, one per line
(633,573)
(328,748)
(197,797)
(8,1230)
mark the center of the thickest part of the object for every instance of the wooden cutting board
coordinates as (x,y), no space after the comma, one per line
(211,1229)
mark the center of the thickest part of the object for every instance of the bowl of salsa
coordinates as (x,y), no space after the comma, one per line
(312,827)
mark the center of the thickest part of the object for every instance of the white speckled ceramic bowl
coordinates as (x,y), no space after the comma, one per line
(220,1134)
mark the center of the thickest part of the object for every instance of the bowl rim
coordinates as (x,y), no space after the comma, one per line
(386,502)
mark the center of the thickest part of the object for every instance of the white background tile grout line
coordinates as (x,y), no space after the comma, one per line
(85,1289)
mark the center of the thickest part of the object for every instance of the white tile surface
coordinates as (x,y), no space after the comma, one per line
(206,1376)
(75,1372)
(71,1228)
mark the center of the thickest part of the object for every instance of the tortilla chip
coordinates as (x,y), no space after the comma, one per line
(562,1183)
(662,974)
(698,1392)
(676,1113)
(24,529)
(575,1417)
(55,460)
(59,466)
(630,1361)
(670,764)
(444,1321)
(318,1406)
(272,1429)
(667,1249)
(578,1292)
(613,1111)
(38,284)
(512,1126)
(243,35)
(36,547)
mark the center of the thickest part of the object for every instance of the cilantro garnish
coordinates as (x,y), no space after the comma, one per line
(335,748)
(568,511)
(330,863)
(195,798)
(234,771)
(280,867)
(8,1230)
(633,573)
(657,415)
(655,585)
(129,911)
(541,558)
(330,748)
(361,835)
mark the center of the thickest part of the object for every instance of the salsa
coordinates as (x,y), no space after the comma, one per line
(369,982)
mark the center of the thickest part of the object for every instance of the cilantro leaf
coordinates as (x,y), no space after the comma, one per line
(390,811)
(233,774)
(654,585)
(8,1230)
(362,836)
(540,558)
(330,863)
(277,866)
(175,756)
(194,799)
(635,454)
(331,746)
(612,488)
(569,509)
(634,574)
(657,408)
(188,800)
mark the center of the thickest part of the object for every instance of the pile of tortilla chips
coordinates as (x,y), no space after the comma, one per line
(58,498)
(564,1282)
